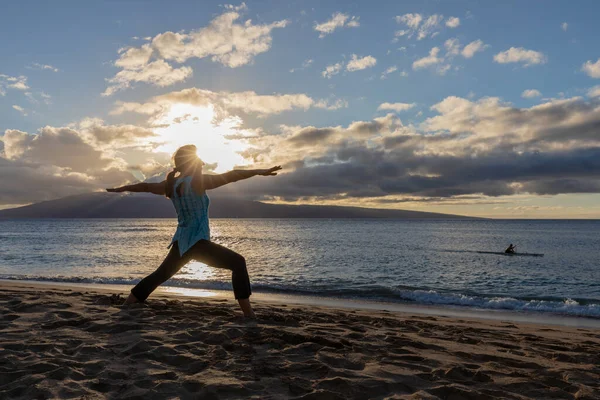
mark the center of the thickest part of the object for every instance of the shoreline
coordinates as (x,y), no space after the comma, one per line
(61,341)
(464,312)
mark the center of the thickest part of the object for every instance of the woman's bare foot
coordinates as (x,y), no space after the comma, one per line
(246,308)
(131,299)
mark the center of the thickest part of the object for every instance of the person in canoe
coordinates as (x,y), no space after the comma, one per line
(510,249)
(186,186)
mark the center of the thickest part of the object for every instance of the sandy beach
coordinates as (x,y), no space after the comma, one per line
(59,342)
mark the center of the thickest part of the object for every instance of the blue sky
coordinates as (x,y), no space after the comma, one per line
(62,56)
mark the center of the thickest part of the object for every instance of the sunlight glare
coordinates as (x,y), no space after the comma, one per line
(190,124)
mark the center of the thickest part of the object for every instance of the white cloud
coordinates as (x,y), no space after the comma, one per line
(229,102)
(520,55)
(417,24)
(530,93)
(159,73)
(564,26)
(135,58)
(452,47)
(12,82)
(224,40)
(428,61)
(305,64)
(43,67)
(398,107)
(332,70)
(31,97)
(411,20)
(388,71)
(442,69)
(46,97)
(357,64)
(453,22)
(594,92)
(20,109)
(475,46)
(592,69)
(338,20)
(444,63)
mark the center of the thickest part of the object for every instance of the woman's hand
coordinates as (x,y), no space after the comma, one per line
(270,171)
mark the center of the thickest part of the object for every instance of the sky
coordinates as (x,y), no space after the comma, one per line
(487,109)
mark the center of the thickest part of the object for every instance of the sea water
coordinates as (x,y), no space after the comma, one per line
(435,262)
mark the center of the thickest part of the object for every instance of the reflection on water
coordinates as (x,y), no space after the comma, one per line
(197,271)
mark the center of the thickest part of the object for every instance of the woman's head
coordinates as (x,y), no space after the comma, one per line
(186,160)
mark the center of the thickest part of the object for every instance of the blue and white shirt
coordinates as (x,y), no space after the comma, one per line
(192,215)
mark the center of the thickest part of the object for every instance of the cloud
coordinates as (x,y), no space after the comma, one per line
(564,26)
(61,161)
(594,92)
(43,67)
(20,109)
(159,73)
(483,147)
(469,148)
(228,103)
(431,59)
(307,63)
(135,58)
(357,64)
(592,69)
(452,47)
(224,40)
(332,70)
(338,20)
(475,46)
(418,25)
(398,107)
(45,97)
(388,71)
(453,22)
(520,55)
(530,93)
(12,82)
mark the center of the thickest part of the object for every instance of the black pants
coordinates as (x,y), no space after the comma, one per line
(206,252)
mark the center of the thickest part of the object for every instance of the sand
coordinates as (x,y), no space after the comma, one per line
(58,342)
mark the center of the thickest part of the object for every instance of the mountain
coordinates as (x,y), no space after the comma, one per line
(113,205)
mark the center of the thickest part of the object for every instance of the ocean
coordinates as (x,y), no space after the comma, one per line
(434,262)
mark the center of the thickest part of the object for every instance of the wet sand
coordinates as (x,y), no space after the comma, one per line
(68,342)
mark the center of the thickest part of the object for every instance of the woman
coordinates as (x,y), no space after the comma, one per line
(191,241)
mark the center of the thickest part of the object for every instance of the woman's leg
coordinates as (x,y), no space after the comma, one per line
(221,257)
(169,267)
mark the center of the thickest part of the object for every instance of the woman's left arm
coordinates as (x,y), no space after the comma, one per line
(207,182)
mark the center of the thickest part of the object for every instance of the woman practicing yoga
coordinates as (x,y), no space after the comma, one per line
(191,241)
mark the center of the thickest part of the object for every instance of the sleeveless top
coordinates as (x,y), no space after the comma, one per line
(192,215)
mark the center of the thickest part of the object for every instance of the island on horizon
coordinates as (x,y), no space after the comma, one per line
(109,205)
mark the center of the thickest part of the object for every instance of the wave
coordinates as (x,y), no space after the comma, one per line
(564,306)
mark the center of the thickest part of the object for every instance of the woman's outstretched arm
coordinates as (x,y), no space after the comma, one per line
(207,182)
(156,188)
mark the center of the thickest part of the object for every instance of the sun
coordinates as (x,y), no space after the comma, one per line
(191,124)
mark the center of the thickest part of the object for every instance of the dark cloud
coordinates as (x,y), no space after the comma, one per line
(26,183)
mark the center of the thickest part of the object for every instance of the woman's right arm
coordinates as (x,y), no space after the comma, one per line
(156,188)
